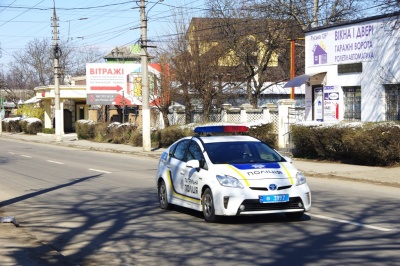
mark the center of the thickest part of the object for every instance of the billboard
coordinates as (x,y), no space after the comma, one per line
(114,84)
(332,99)
(342,45)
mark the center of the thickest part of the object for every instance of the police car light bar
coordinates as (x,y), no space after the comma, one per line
(221,129)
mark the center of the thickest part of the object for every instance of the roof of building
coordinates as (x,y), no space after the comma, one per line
(124,52)
(350,22)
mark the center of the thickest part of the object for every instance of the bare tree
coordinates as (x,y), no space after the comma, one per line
(75,64)
(388,6)
(194,67)
(179,57)
(313,13)
(16,84)
(33,66)
(163,88)
(34,62)
(258,43)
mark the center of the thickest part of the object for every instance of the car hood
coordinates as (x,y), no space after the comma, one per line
(261,174)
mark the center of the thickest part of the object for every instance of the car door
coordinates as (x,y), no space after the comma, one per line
(193,177)
(177,165)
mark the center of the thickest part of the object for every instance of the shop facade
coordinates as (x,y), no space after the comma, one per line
(352,71)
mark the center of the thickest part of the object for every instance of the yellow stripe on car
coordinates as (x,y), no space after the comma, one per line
(176,194)
(240,174)
(287,172)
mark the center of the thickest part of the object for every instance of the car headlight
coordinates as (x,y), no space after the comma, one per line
(300,179)
(229,181)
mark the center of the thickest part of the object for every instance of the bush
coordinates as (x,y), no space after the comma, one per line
(169,135)
(375,144)
(85,129)
(11,124)
(365,144)
(136,138)
(265,133)
(30,110)
(121,133)
(31,125)
(101,133)
(49,130)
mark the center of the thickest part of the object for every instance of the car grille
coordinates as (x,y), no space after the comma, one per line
(266,189)
(255,205)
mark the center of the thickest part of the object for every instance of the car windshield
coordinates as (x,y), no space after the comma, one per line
(241,152)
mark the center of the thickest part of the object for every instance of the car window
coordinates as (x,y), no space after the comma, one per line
(268,154)
(241,152)
(194,152)
(180,150)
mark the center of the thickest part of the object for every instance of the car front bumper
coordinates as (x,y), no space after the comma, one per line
(231,202)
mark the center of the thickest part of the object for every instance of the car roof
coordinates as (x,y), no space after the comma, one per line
(228,138)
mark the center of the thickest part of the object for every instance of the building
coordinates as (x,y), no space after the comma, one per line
(352,71)
(247,54)
(109,90)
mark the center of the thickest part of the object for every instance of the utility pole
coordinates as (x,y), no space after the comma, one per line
(56,55)
(315,13)
(1,115)
(145,81)
(292,64)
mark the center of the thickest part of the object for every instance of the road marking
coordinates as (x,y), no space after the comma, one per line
(26,156)
(50,161)
(353,223)
(101,171)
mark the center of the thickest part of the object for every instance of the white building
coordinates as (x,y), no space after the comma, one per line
(352,71)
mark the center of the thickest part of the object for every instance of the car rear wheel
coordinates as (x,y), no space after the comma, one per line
(294,215)
(162,196)
(208,207)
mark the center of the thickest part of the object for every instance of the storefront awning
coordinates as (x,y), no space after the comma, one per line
(32,100)
(300,80)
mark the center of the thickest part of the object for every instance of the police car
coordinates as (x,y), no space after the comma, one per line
(228,175)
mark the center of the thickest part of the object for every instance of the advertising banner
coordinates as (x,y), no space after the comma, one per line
(348,44)
(332,99)
(114,84)
(318,105)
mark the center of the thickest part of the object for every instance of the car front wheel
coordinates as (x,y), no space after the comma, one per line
(208,207)
(162,196)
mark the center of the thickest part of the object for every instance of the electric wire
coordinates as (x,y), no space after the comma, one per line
(101,12)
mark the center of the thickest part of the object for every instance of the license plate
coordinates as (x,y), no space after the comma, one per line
(274,198)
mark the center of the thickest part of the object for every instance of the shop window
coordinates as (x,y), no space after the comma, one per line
(352,103)
(350,68)
(392,95)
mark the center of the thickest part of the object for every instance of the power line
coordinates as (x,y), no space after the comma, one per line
(19,14)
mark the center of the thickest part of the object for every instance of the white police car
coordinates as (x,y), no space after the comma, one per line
(230,175)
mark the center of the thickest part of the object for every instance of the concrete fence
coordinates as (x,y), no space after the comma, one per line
(282,116)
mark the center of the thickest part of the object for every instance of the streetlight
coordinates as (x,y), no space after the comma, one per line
(145,87)
(69,25)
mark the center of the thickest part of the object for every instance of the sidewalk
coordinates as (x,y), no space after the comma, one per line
(379,175)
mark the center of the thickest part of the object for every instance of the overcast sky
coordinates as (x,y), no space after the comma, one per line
(102,23)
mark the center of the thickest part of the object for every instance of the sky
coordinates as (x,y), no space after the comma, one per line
(105,24)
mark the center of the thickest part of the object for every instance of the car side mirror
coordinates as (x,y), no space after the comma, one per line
(193,164)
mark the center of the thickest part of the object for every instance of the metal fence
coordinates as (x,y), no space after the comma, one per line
(295,114)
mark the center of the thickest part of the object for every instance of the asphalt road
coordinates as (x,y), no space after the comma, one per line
(97,208)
